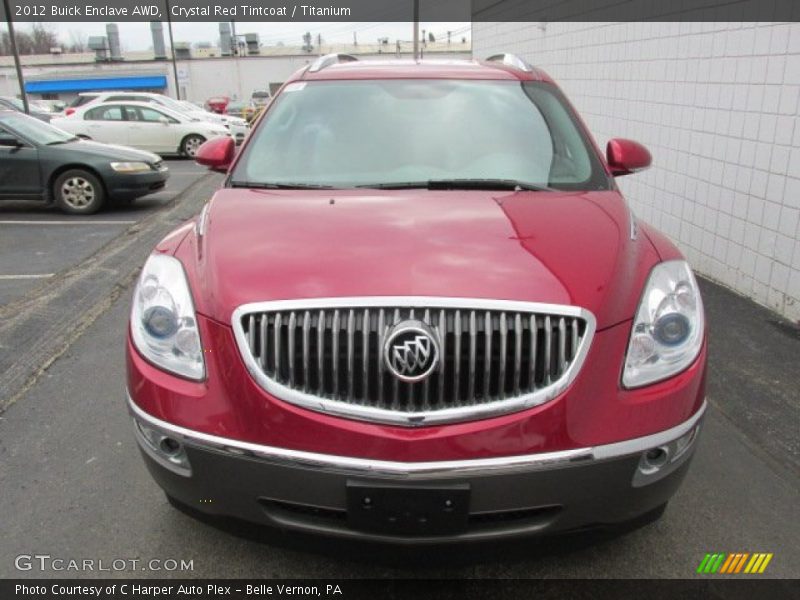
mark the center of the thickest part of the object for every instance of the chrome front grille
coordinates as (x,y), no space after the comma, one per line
(495,356)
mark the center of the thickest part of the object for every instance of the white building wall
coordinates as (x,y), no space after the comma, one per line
(717,105)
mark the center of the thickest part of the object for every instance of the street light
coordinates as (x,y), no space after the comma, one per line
(172,46)
(14,51)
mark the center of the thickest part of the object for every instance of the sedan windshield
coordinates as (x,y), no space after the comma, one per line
(444,134)
(37,131)
(172,104)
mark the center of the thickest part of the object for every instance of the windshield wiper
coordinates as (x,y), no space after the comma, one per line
(462,184)
(55,142)
(280,186)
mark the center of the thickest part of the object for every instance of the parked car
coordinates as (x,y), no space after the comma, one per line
(52,106)
(36,111)
(217,104)
(419,309)
(41,162)
(260,98)
(238,127)
(242,110)
(142,125)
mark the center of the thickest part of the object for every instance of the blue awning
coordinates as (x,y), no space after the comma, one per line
(141,82)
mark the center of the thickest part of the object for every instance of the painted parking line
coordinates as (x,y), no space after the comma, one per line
(41,276)
(67,222)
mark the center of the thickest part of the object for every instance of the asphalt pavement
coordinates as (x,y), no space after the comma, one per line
(72,483)
(38,241)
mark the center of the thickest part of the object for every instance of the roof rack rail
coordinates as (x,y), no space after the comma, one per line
(511,60)
(330,59)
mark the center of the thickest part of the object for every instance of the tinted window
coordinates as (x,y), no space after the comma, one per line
(14,103)
(7,136)
(104,113)
(81,100)
(149,115)
(35,130)
(346,133)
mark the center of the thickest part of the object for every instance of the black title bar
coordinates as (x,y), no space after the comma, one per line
(402,10)
(388,589)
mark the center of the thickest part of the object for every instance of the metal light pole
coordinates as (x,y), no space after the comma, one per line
(172,46)
(416,29)
(14,51)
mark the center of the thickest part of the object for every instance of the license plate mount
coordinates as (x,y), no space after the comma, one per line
(421,510)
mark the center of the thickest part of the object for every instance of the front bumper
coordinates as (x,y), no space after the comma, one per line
(508,496)
(134,185)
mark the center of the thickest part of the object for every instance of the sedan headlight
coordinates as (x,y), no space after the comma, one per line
(163,322)
(669,326)
(130,167)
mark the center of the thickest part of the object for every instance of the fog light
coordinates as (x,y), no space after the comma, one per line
(169,446)
(654,459)
(167,451)
(660,461)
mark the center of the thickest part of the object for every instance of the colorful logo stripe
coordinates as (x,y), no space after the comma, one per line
(734,563)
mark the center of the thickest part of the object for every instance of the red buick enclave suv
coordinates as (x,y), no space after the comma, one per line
(418,310)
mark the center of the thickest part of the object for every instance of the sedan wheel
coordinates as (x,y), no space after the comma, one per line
(191,144)
(78,192)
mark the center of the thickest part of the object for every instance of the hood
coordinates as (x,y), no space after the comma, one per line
(109,151)
(560,248)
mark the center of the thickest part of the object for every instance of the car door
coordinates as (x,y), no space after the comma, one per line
(150,129)
(106,123)
(19,167)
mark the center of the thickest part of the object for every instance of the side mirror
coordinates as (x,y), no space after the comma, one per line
(217,153)
(9,141)
(163,120)
(626,156)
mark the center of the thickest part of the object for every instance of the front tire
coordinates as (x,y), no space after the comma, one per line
(78,192)
(190,145)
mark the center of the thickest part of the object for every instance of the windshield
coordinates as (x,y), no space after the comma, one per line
(36,130)
(171,103)
(394,132)
(188,106)
(16,103)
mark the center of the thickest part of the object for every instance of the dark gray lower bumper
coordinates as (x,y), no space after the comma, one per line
(595,487)
(136,185)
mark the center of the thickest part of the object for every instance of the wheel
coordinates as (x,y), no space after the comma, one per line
(78,192)
(190,145)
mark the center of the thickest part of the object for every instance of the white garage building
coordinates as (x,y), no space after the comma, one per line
(717,105)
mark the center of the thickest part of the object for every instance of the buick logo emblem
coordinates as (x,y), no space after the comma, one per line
(411,350)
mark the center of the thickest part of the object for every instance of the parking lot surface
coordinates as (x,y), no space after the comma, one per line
(73,484)
(37,241)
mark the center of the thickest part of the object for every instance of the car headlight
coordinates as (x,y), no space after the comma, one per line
(130,167)
(668,330)
(163,322)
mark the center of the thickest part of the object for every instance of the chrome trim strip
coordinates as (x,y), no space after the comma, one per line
(634,226)
(410,470)
(413,419)
(327,60)
(202,223)
(511,60)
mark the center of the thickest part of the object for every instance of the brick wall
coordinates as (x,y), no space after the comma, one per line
(717,105)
